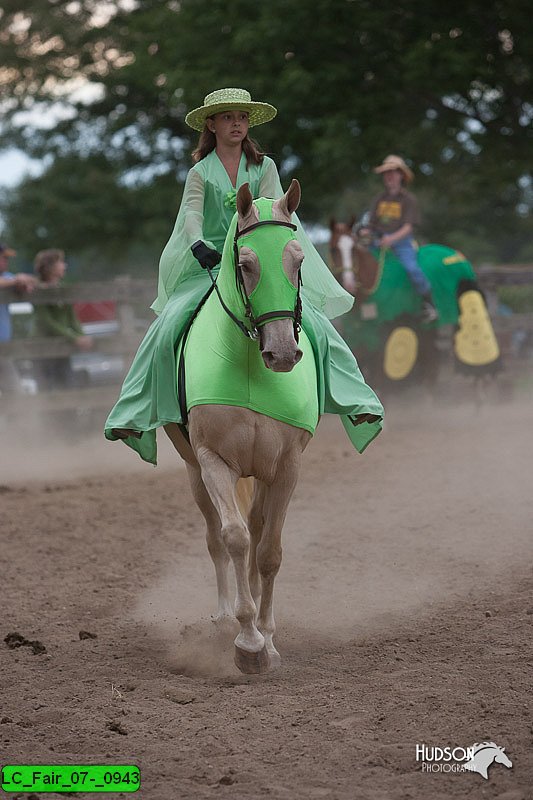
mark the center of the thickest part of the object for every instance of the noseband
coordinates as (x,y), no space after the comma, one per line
(256,322)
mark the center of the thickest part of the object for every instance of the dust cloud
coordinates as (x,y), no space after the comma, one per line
(438,509)
(64,446)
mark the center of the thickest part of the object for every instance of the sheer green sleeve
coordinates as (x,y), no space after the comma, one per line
(270,185)
(318,284)
(177,261)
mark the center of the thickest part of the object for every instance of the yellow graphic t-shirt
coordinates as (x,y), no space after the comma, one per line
(390,212)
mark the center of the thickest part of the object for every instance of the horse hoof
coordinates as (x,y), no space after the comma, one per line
(252,663)
(275,660)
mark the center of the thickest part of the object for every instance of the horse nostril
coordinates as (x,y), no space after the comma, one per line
(298,355)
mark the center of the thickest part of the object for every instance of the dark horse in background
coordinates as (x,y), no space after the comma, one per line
(384,328)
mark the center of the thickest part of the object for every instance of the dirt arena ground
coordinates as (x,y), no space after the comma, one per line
(404,610)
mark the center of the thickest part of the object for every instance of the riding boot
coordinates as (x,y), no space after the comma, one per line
(428,312)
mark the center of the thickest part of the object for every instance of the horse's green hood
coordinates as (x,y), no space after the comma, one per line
(274,290)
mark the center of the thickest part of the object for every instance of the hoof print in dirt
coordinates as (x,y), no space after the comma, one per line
(26,797)
(180,696)
(14,640)
(227,779)
(116,727)
(87,635)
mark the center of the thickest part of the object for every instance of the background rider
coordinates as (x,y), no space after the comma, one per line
(394,214)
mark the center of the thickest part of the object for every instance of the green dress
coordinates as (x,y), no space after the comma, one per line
(149,397)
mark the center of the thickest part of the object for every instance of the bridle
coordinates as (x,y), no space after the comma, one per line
(253,332)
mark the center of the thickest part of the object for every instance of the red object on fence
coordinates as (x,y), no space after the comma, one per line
(103,311)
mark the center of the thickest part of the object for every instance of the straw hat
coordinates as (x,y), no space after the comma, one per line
(395,162)
(228,99)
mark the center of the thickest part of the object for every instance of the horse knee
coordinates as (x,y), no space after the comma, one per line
(236,540)
(269,562)
(216,547)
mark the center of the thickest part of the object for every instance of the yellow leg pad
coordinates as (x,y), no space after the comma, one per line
(401,352)
(475,343)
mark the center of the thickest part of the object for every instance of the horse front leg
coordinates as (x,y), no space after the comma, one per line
(215,543)
(269,550)
(256,523)
(220,482)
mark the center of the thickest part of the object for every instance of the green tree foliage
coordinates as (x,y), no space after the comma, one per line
(448,86)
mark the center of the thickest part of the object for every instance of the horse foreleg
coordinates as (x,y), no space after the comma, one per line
(215,544)
(220,481)
(269,551)
(255,525)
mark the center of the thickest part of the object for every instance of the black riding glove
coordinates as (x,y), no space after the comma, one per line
(207,257)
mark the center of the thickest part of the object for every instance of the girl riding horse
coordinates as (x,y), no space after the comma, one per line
(226,158)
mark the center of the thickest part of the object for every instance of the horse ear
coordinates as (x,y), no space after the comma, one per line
(244,200)
(294,195)
(291,199)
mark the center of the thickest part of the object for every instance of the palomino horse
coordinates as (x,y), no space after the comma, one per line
(230,442)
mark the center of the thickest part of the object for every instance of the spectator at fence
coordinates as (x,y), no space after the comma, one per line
(56,319)
(21,282)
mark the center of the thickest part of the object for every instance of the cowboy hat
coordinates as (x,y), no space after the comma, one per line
(395,162)
(227,99)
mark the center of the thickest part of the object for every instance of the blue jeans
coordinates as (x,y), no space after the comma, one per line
(405,253)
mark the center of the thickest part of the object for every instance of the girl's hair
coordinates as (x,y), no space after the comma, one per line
(45,260)
(207,142)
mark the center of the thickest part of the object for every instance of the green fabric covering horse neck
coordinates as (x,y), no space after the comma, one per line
(225,367)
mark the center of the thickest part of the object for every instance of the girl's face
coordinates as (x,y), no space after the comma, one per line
(392,180)
(57,271)
(230,127)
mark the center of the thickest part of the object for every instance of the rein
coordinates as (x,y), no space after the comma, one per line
(255,322)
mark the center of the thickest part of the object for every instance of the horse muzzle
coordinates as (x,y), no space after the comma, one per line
(281,361)
(278,346)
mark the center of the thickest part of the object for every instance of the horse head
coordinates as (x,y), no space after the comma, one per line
(342,248)
(485,753)
(503,758)
(268,260)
